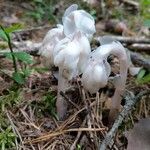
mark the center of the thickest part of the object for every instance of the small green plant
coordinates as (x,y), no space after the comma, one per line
(43,9)
(7,138)
(19,75)
(12,98)
(49,104)
(145,11)
(79,147)
(143,77)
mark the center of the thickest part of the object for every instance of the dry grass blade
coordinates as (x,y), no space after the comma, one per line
(27,118)
(73,146)
(53,134)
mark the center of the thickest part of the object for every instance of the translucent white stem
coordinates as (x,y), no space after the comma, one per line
(120,87)
(61,103)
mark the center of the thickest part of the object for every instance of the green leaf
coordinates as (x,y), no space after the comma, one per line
(3,35)
(27,72)
(18,77)
(145,79)
(141,74)
(39,1)
(41,69)
(7,55)
(8,129)
(11,134)
(13,28)
(147,23)
(36,15)
(3,146)
(24,57)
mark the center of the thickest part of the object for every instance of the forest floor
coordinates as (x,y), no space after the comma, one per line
(28,117)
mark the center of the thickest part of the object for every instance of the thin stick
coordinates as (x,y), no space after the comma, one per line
(140,47)
(73,146)
(130,102)
(140,60)
(128,40)
(70,101)
(45,137)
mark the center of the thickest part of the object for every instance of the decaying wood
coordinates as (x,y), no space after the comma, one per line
(131,100)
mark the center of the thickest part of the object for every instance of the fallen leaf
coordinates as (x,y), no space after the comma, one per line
(139,136)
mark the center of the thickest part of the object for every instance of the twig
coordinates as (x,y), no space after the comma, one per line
(14,129)
(132,3)
(140,47)
(50,135)
(70,101)
(128,40)
(28,119)
(140,60)
(33,29)
(130,102)
(73,146)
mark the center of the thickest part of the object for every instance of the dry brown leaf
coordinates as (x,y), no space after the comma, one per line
(139,136)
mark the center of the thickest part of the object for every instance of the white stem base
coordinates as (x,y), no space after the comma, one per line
(61,103)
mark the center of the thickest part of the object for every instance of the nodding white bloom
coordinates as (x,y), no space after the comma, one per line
(98,70)
(71,55)
(98,63)
(96,74)
(68,47)
(50,40)
(78,20)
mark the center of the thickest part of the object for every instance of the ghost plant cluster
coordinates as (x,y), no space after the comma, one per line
(68,47)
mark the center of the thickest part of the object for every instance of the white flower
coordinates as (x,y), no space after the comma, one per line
(50,40)
(98,63)
(68,48)
(96,73)
(78,20)
(71,55)
(95,76)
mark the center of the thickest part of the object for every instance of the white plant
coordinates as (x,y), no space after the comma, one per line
(68,47)
(73,21)
(52,37)
(78,20)
(97,72)
(70,55)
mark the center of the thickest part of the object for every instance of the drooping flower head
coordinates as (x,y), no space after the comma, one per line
(49,42)
(98,64)
(71,55)
(96,73)
(78,20)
